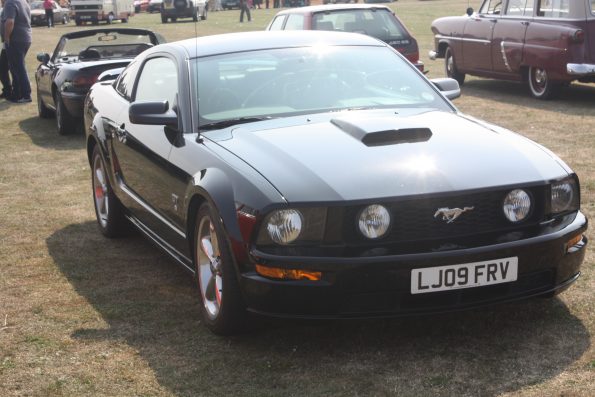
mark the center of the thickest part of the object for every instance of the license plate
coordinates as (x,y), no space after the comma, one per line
(467,275)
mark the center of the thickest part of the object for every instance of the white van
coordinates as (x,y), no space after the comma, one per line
(101,10)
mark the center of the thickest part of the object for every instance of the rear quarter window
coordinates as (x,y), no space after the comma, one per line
(554,8)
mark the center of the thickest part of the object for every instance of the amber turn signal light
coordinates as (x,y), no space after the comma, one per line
(288,274)
(573,241)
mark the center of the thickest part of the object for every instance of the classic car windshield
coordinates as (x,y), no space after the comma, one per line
(306,80)
(377,23)
(102,46)
(37,5)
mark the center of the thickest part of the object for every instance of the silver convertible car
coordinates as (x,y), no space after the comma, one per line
(321,175)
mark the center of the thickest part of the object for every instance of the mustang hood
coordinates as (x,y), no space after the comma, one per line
(372,154)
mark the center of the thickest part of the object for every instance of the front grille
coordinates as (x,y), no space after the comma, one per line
(413,219)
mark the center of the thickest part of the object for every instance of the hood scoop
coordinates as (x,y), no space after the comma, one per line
(380,131)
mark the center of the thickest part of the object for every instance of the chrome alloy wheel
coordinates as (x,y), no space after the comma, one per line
(539,80)
(100,192)
(210,267)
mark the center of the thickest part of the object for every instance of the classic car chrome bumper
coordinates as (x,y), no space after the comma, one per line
(580,69)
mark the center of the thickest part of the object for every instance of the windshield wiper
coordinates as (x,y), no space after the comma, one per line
(231,122)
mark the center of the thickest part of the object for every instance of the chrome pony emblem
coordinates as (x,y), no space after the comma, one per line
(449,215)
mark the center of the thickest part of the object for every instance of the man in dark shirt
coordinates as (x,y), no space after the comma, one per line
(17,40)
(4,75)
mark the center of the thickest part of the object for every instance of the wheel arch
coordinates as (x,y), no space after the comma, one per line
(213,186)
(442,46)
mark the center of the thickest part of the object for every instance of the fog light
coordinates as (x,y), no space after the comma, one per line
(517,205)
(288,274)
(374,221)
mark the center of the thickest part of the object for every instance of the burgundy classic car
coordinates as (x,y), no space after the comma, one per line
(374,20)
(546,43)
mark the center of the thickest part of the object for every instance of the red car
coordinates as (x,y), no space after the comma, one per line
(546,43)
(374,20)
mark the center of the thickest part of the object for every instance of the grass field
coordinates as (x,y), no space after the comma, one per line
(83,315)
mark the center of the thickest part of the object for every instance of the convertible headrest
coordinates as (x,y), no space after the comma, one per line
(89,54)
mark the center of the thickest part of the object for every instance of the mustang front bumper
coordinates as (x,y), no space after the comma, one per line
(381,286)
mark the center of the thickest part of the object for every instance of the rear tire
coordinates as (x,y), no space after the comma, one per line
(450,67)
(540,85)
(108,209)
(163,19)
(65,123)
(222,306)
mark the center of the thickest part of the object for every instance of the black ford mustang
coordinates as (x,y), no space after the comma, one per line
(319,174)
(64,78)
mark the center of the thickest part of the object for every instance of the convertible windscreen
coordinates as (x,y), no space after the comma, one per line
(102,46)
(307,80)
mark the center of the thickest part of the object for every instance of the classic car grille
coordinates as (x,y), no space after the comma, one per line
(413,219)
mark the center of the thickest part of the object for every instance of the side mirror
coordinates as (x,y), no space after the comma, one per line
(448,87)
(152,113)
(43,57)
(469,11)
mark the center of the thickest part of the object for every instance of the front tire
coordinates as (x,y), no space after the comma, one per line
(540,85)
(108,210)
(65,123)
(450,67)
(221,303)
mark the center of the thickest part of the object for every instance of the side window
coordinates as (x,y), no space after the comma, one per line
(158,80)
(125,81)
(554,8)
(295,22)
(277,23)
(491,7)
(519,7)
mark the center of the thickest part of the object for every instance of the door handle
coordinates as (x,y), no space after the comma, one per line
(526,23)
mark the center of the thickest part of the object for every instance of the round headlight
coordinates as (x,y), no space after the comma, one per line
(284,226)
(374,221)
(517,205)
(562,196)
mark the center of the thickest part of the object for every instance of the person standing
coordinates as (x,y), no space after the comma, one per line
(48,6)
(4,75)
(244,9)
(17,39)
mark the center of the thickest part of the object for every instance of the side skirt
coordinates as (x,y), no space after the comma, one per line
(171,251)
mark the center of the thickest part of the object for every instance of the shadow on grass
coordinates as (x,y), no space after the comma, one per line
(576,99)
(150,303)
(43,133)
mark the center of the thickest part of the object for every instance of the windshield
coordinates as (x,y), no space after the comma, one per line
(379,23)
(290,81)
(104,45)
(37,5)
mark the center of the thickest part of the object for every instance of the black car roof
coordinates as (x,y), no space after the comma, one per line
(262,40)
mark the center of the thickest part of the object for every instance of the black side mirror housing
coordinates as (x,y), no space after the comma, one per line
(152,113)
(448,87)
(43,57)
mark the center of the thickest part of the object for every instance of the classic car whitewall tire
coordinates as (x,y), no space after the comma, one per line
(221,303)
(108,210)
(450,67)
(540,85)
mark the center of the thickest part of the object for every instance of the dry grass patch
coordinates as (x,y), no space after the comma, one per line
(83,315)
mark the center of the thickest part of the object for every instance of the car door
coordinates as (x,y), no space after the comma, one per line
(142,150)
(508,38)
(477,37)
(45,75)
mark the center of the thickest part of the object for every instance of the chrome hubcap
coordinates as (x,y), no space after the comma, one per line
(539,80)
(100,192)
(210,268)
